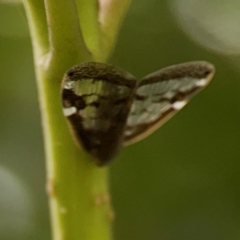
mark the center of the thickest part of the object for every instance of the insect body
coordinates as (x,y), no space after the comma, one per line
(106,107)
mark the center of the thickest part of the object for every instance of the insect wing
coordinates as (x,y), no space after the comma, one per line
(162,94)
(96,100)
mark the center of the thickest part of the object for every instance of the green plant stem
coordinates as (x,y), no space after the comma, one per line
(111,15)
(78,190)
(88,20)
(65,36)
(36,15)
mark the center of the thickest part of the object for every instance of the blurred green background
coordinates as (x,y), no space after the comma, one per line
(182,182)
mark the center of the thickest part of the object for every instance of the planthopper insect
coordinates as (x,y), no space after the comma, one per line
(107,107)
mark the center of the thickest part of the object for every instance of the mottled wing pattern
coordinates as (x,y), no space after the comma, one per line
(96,99)
(162,94)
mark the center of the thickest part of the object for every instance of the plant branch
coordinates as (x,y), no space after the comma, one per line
(88,17)
(65,36)
(78,190)
(37,22)
(111,14)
